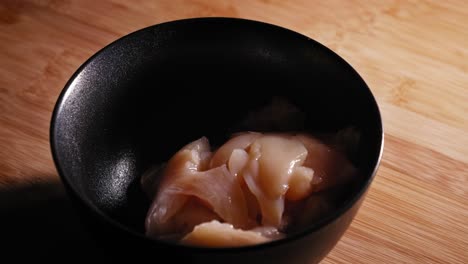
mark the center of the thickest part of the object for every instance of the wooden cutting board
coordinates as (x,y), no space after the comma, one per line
(413,55)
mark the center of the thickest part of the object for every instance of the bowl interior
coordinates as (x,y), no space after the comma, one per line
(146,95)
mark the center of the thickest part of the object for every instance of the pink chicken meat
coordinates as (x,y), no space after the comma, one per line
(229,197)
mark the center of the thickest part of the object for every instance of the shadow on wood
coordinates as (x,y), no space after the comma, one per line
(38,222)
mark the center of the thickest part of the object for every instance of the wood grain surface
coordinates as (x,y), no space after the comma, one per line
(413,55)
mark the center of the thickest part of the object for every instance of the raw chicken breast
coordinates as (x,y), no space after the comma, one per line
(241,141)
(248,191)
(219,190)
(278,158)
(300,183)
(167,202)
(238,161)
(216,234)
(183,180)
(273,161)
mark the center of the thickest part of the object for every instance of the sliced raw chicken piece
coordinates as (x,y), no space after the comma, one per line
(253,208)
(273,160)
(236,164)
(331,167)
(167,202)
(238,161)
(300,183)
(279,157)
(219,190)
(182,180)
(241,141)
(271,208)
(216,234)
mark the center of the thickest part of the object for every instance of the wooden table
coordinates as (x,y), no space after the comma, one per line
(413,55)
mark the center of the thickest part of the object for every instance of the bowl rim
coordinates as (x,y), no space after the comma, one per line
(295,236)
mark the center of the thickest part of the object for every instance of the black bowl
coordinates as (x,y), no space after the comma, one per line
(141,98)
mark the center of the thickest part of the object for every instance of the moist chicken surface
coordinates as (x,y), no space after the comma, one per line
(227,197)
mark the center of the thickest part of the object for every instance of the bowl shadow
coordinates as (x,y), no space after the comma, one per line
(39,222)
